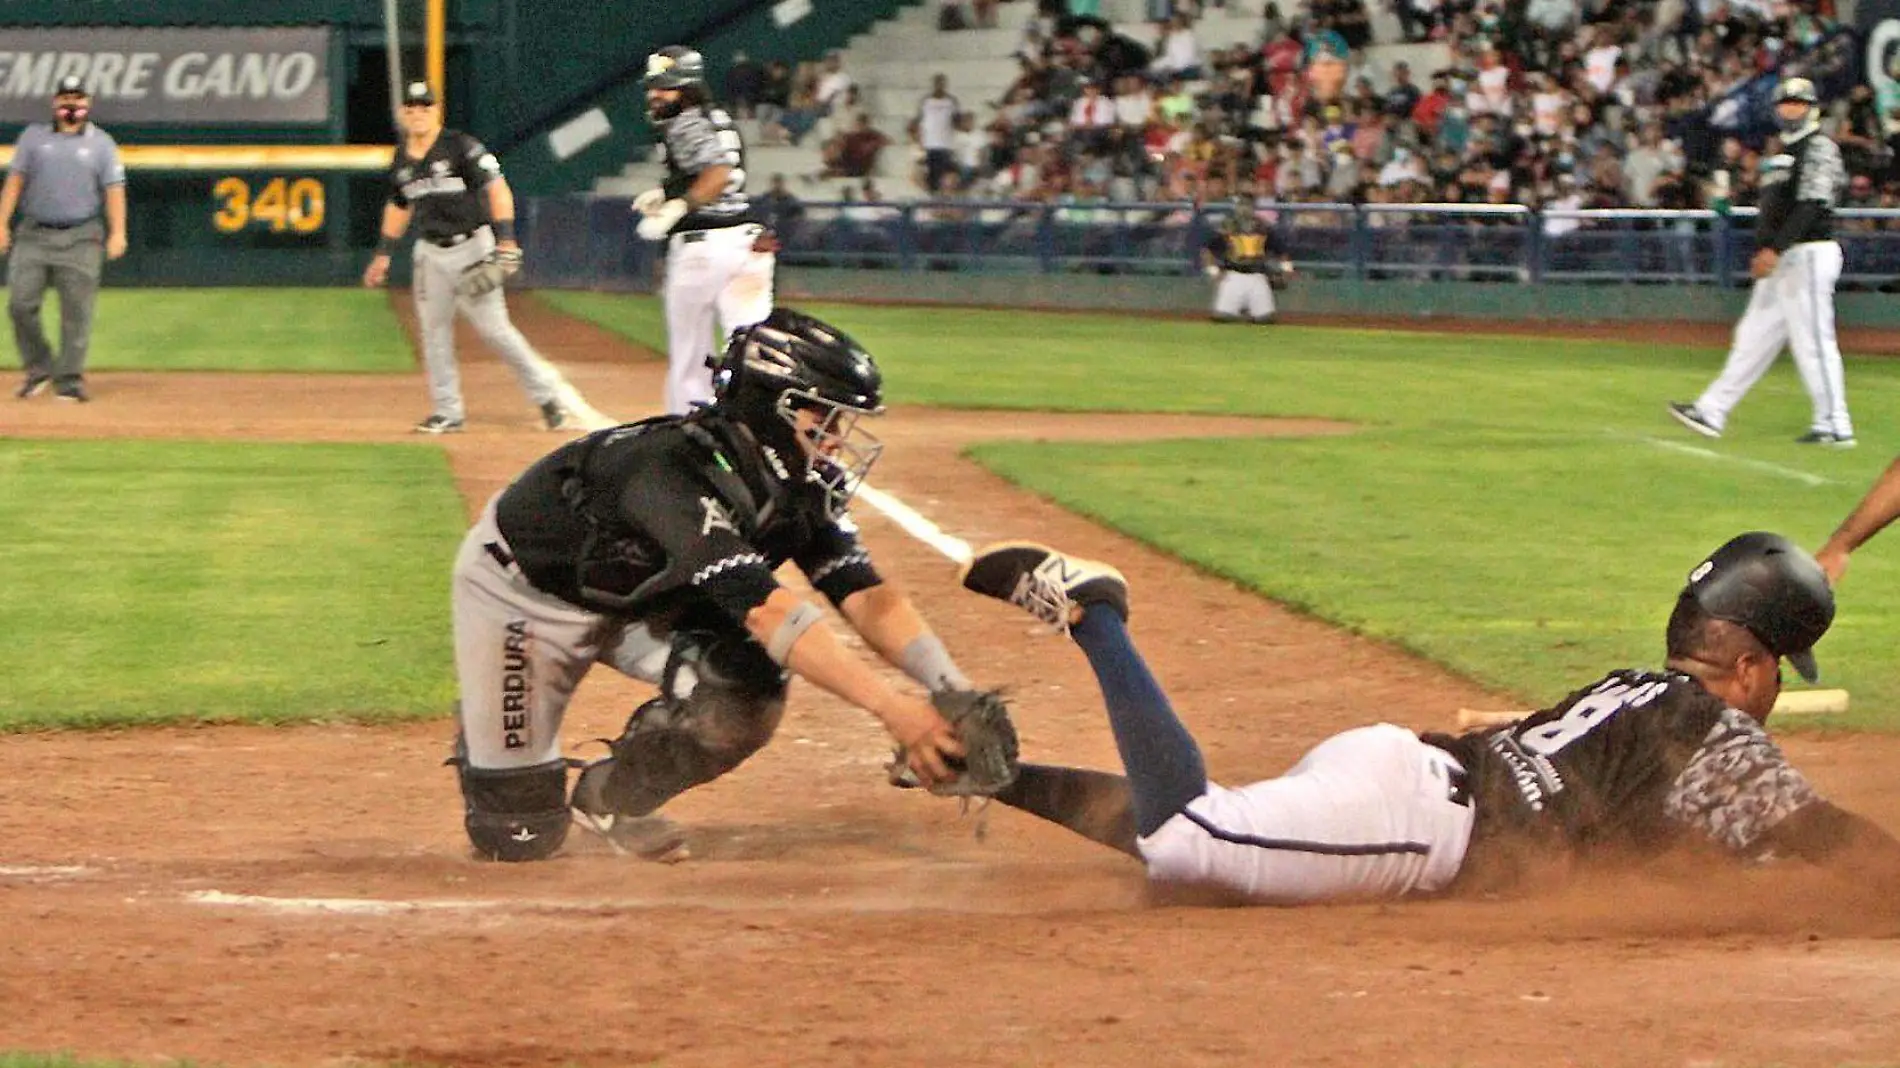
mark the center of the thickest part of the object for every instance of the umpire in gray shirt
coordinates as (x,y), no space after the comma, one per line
(65,175)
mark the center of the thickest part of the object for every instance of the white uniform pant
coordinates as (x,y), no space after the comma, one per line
(1240,295)
(1792,306)
(1367,813)
(709,273)
(520,653)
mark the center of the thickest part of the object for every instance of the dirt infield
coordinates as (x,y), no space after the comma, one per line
(245,896)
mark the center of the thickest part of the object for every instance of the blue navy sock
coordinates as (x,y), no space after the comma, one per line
(1163,762)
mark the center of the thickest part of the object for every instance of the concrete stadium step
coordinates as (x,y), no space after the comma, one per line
(913,74)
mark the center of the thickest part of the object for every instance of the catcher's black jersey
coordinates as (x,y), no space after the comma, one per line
(678,514)
(1811,172)
(1244,249)
(698,138)
(445,187)
(1636,762)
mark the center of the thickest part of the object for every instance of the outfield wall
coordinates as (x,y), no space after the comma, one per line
(1571,303)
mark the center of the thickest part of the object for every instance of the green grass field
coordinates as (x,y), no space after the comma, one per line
(239,330)
(1521,510)
(162,581)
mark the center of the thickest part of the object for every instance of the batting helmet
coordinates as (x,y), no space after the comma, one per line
(675,67)
(801,385)
(1772,588)
(1797,89)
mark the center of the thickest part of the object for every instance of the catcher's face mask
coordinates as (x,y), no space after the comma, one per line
(839,450)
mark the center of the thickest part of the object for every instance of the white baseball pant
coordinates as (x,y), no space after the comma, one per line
(1370,813)
(1241,295)
(710,273)
(1792,306)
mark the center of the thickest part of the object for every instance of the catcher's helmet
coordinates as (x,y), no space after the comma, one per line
(801,385)
(675,67)
(1772,588)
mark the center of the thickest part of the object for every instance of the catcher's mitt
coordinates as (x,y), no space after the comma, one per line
(981,721)
(488,275)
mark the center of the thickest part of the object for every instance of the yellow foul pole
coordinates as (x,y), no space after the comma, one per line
(437,35)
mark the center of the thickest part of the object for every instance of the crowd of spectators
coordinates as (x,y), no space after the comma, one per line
(1560,103)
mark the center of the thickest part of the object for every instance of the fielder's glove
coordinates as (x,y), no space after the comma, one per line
(487,276)
(655,224)
(981,721)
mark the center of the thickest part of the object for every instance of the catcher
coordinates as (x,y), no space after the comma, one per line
(651,547)
(453,189)
(1247,262)
(1635,762)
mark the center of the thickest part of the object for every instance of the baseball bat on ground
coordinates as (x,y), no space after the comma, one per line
(1790,703)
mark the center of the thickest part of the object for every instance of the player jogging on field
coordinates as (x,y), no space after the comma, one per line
(465,214)
(1636,761)
(1796,264)
(719,259)
(1243,256)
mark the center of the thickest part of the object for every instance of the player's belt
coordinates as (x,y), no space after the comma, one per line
(501,555)
(688,237)
(453,239)
(62,225)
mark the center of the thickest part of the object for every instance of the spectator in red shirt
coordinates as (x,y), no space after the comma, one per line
(853,154)
(1431,107)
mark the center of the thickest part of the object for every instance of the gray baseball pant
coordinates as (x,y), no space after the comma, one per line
(437,270)
(70,261)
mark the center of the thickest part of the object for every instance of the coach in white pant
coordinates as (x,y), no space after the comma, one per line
(1796,264)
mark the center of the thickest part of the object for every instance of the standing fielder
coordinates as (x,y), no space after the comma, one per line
(453,185)
(1797,261)
(1636,762)
(1242,255)
(719,260)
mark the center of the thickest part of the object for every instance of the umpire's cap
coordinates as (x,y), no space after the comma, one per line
(675,67)
(1771,587)
(418,93)
(71,85)
(1797,89)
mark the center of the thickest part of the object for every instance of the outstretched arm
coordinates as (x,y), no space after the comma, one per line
(1094,804)
(1876,510)
(891,625)
(1829,835)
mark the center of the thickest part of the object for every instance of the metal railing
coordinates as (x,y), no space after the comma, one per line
(588,241)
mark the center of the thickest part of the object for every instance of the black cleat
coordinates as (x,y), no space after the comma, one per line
(1043,582)
(439,424)
(653,838)
(73,391)
(553,416)
(1827,438)
(32,387)
(1687,415)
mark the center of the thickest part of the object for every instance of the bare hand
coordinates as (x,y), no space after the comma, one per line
(1764,263)
(928,742)
(6,239)
(1833,562)
(115,246)
(377,272)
